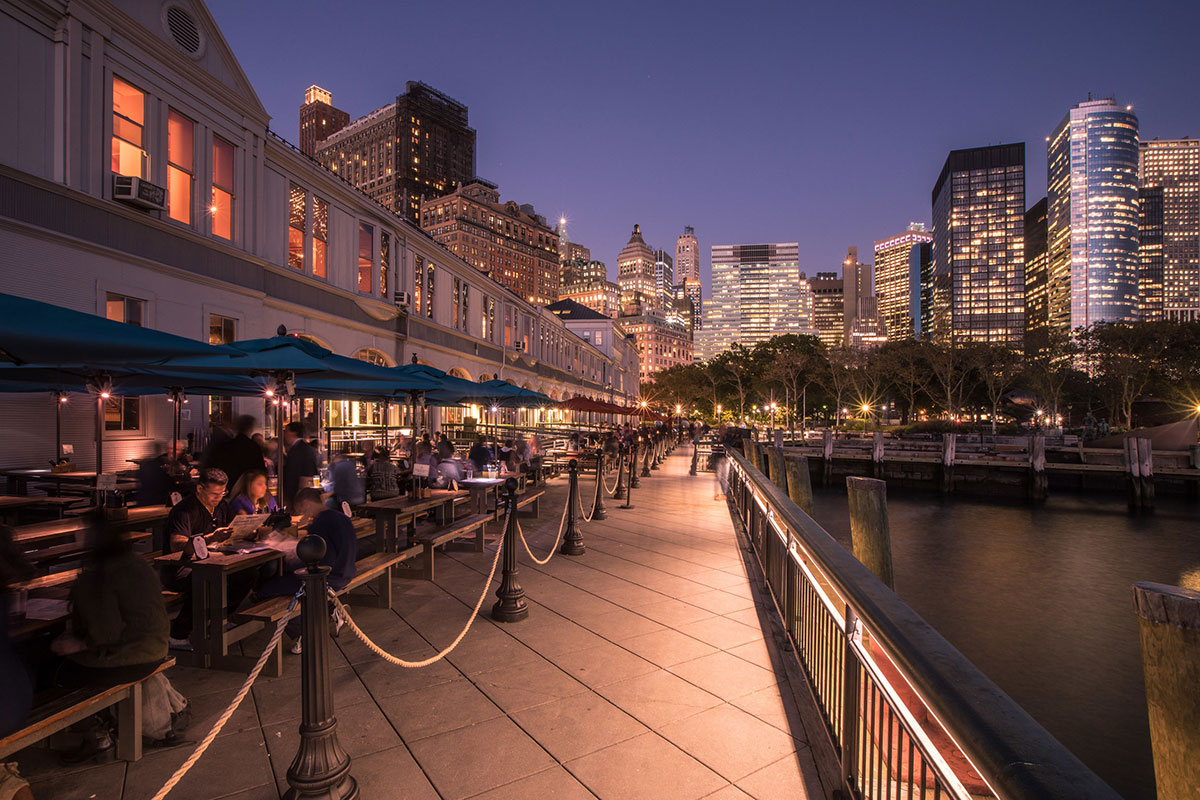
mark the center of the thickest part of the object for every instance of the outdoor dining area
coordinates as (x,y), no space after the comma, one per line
(218,529)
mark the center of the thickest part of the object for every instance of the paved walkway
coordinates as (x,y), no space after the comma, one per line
(642,672)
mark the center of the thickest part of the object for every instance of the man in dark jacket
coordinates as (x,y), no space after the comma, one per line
(238,454)
(300,462)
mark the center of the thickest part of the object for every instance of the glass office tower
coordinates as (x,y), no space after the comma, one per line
(1092,216)
(755,295)
(1170,178)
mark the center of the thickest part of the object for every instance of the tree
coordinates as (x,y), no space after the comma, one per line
(737,366)
(950,374)
(998,367)
(1125,358)
(907,372)
(792,362)
(1051,365)
(836,376)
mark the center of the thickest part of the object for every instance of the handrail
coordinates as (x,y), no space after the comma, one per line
(1011,751)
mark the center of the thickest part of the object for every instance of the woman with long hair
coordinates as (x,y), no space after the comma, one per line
(251,495)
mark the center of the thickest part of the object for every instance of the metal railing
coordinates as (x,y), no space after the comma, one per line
(907,714)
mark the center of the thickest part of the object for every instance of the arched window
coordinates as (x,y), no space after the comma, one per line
(459,372)
(373,356)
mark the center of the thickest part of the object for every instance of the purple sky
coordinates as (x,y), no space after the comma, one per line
(752,122)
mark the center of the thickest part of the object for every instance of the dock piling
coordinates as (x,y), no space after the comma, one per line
(870,533)
(799,482)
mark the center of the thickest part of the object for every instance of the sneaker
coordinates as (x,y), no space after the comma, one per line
(96,746)
(179,644)
(339,619)
(297,647)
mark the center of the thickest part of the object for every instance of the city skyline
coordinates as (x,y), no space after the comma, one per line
(573,155)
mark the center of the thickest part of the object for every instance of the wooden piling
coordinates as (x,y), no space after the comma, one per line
(827,457)
(748,449)
(1146,469)
(775,458)
(949,446)
(799,482)
(1039,486)
(877,455)
(869,530)
(1133,466)
(1169,626)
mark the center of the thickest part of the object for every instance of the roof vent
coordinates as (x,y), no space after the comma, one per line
(183,29)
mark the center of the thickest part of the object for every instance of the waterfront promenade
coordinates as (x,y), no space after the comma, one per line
(646,669)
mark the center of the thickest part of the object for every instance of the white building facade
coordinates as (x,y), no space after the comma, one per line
(234,234)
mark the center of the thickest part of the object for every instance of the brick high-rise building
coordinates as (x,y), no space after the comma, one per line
(415,148)
(898,262)
(635,274)
(508,241)
(978,275)
(1172,166)
(319,119)
(687,256)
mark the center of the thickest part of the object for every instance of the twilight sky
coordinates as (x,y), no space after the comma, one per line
(751,121)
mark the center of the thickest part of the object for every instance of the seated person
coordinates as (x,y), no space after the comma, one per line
(251,495)
(480,455)
(118,628)
(203,515)
(424,455)
(449,470)
(18,691)
(573,445)
(341,553)
(509,462)
(347,486)
(382,477)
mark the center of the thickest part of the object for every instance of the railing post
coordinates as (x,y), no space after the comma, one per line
(572,543)
(598,509)
(632,483)
(850,692)
(869,530)
(1169,622)
(510,605)
(619,492)
(321,768)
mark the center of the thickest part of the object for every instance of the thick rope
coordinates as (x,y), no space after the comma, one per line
(400,662)
(579,499)
(616,479)
(241,695)
(561,525)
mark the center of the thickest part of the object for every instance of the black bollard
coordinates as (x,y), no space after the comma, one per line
(598,509)
(619,492)
(510,607)
(646,449)
(635,449)
(659,441)
(633,477)
(572,543)
(321,768)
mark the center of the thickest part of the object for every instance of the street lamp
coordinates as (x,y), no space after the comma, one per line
(773,407)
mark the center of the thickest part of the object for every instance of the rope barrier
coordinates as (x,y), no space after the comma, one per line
(561,524)
(583,514)
(400,662)
(237,700)
(616,479)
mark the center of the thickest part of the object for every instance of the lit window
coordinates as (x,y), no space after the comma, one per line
(366,246)
(128,130)
(222,188)
(124,413)
(320,236)
(296,211)
(385,261)
(181,133)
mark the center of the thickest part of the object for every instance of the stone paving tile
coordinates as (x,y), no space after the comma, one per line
(555,783)
(438,709)
(578,725)
(720,602)
(104,782)
(386,680)
(362,730)
(721,632)
(671,612)
(479,757)
(658,698)
(232,764)
(790,778)
(730,792)
(730,741)
(773,707)
(522,686)
(725,675)
(599,666)
(279,700)
(667,647)
(618,624)
(382,774)
(647,766)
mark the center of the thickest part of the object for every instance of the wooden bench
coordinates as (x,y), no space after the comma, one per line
(531,499)
(65,711)
(475,523)
(62,552)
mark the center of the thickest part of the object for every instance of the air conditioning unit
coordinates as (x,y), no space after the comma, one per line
(519,347)
(402,299)
(138,192)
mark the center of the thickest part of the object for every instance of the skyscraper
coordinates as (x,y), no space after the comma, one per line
(978,268)
(1151,254)
(755,295)
(635,273)
(690,288)
(319,119)
(898,262)
(687,256)
(829,308)
(1037,263)
(1173,166)
(1092,216)
(664,271)
(418,147)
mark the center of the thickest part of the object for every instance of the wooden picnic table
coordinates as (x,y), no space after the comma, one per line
(390,513)
(18,479)
(211,639)
(480,488)
(40,532)
(12,505)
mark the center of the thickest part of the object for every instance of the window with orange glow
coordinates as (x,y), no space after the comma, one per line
(129,130)
(366,246)
(181,134)
(320,236)
(221,210)
(296,211)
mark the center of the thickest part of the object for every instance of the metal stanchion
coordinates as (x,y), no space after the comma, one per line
(647,451)
(619,494)
(572,544)
(321,768)
(598,509)
(633,476)
(510,607)
(635,449)
(695,457)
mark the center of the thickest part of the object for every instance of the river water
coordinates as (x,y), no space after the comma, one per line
(1039,599)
